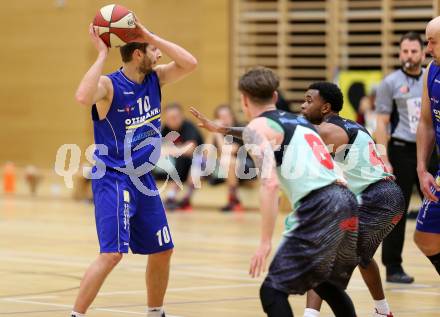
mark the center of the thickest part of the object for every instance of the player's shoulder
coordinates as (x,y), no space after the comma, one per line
(257,123)
(112,79)
(263,128)
(115,74)
(328,128)
(105,80)
(332,133)
(348,122)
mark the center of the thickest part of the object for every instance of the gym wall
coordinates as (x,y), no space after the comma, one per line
(47,50)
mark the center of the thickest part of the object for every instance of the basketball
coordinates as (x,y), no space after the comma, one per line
(116,25)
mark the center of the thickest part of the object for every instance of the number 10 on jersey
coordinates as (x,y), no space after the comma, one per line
(144,105)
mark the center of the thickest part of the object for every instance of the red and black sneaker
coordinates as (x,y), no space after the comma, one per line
(233,206)
(185,205)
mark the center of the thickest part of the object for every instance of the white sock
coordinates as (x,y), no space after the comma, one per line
(75,314)
(382,306)
(155,311)
(310,312)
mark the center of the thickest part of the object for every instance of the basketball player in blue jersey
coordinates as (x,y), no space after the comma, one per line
(126,112)
(322,231)
(427,235)
(381,202)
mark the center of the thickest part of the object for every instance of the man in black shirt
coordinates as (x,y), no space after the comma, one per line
(184,145)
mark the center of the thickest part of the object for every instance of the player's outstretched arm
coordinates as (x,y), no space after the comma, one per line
(425,139)
(94,87)
(183,62)
(213,126)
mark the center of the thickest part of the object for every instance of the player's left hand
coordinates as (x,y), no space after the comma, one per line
(258,262)
(427,182)
(205,123)
(142,33)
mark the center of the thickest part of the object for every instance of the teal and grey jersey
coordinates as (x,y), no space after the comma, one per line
(303,162)
(360,161)
(400,96)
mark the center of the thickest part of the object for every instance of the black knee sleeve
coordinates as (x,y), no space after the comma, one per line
(435,260)
(274,302)
(337,299)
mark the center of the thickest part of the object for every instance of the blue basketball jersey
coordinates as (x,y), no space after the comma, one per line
(131,129)
(434,97)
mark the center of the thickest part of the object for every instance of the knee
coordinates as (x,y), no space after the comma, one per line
(163,256)
(266,297)
(270,296)
(365,263)
(427,246)
(417,239)
(111,259)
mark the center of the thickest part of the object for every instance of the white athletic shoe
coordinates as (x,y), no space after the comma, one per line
(377,314)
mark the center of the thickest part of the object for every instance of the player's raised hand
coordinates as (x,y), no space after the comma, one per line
(100,46)
(258,262)
(427,182)
(142,33)
(205,123)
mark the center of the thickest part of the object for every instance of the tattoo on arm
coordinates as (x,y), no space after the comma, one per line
(252,138)
(234,131)
(238,132)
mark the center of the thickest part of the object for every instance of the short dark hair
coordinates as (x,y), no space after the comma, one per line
(330,93)
(259,84)
(173,106)
(128,49)
(412,36)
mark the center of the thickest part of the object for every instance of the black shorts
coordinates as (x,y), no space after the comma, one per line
(183,167)
(380,209)
(182,164)
(323,247)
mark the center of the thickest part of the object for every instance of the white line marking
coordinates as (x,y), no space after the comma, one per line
(127,312)
(178,272)
(31,297)
(183,289)
(37,303)
(70,307)
(416,292)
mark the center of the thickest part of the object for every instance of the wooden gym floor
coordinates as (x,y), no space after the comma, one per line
(46,244)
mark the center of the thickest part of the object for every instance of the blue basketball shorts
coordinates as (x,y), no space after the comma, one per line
(428,219)
(127,218)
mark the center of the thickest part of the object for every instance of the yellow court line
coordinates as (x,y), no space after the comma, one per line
(143,123)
